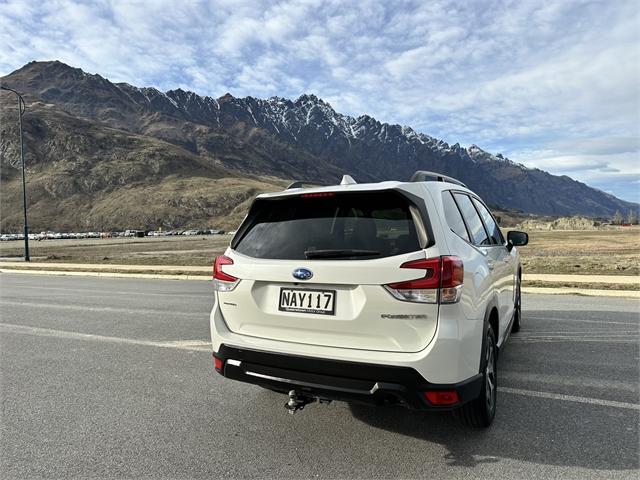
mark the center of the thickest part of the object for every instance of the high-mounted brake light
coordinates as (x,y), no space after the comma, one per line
(441,283)
(318,195)
(223,282)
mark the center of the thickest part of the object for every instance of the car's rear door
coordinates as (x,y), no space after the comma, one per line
(480,239)
(503,262)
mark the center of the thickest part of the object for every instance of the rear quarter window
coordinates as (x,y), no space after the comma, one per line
(474,223)
(490,223)
(453,216)
(340,226)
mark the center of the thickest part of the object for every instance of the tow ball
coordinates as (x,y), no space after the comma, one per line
(297,401)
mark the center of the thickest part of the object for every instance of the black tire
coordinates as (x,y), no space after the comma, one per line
(479,413)
(517,309)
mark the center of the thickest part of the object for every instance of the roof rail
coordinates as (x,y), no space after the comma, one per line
(302,183)
(424,176)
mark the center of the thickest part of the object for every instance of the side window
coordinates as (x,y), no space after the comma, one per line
(478,233)
(452,214)
(490,223)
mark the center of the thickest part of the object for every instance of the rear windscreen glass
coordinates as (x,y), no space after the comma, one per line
(339,226)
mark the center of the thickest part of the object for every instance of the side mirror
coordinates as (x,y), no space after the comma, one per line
(517,239)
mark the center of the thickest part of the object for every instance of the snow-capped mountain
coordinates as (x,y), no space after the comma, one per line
(281,138)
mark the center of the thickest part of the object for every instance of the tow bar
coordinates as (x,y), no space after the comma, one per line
(297,401)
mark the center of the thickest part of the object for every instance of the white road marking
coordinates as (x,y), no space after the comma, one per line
(576,340)
(584,334)
(585,339)
(89,308)
(600,322)
(543,379)
(188,344)
(196,345)
(551,277)
(570,398)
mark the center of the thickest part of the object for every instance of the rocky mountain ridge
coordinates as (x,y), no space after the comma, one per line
(251,138)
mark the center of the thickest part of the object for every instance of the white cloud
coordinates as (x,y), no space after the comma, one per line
(511,76)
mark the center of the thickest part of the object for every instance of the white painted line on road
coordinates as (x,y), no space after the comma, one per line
(88,308)
(570,398)
(581,336)
(587,292)
(553,277)
(579,320)
(594,332)
(584,334)
(188,344)
(574,380)
(196,345)
(577,340)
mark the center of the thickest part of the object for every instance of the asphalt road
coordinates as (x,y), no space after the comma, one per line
(112,378)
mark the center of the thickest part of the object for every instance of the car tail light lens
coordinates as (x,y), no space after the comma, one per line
(451,280)
(223,282)
(442,397)
(442,282)
(421,290)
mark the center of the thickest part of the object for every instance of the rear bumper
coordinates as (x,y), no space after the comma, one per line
(339,380)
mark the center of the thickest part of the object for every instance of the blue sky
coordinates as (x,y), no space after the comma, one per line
(550,84)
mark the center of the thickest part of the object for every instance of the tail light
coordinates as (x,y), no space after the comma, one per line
(223,282)
(442,282)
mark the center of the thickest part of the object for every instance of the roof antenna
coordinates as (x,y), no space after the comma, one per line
(347,180)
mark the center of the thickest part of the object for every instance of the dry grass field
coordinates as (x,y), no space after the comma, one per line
(614,251)
(598,252)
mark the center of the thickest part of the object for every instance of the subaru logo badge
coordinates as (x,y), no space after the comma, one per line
(302,273)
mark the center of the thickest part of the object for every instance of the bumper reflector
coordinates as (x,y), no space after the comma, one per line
(442,397)
(218,363)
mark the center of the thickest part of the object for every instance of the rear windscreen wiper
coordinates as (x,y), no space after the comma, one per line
(339,253)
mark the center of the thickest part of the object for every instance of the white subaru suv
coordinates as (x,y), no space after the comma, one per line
(391,293)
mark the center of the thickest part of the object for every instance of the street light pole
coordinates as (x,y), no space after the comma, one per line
(21,108)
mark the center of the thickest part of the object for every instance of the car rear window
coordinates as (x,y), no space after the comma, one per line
(336,226)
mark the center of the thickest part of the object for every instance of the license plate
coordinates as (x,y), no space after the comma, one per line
(321,302)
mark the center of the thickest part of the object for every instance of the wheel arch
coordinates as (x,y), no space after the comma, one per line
(491,318)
